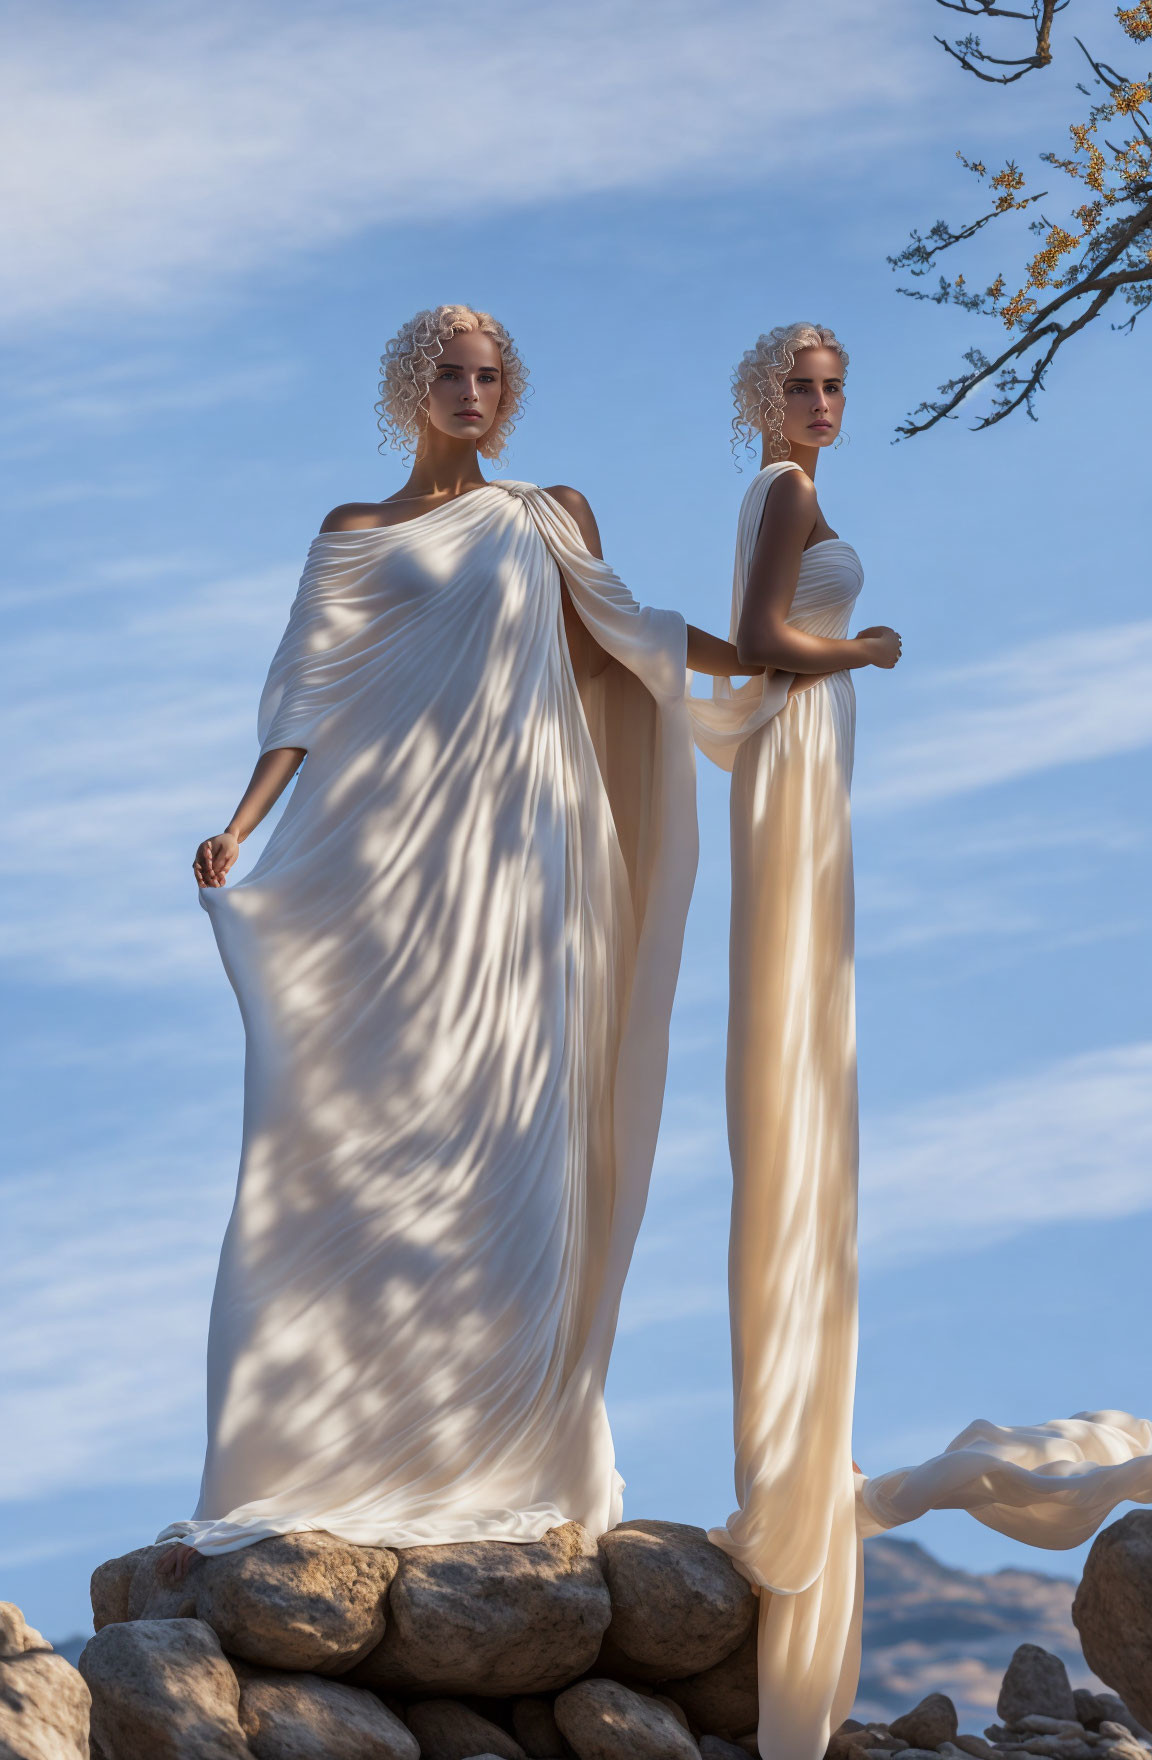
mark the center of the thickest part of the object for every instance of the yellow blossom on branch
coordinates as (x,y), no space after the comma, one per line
(1137,20)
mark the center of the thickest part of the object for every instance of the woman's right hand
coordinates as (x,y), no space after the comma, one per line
(883,645)
(214,858)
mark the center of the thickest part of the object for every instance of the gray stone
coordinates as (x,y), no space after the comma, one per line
(1115,1711)
(304,1602)
(722,1701)
(111,1586)
(44,1703)
(1069,1729)
(715,1748)
(1113,1610)
(679,1605)
(536,1729)
(305,1717)
(1118,1743)
(1090,1710)
(447,1730)
(162,1690)
(974,1745)
(492,1617)
(1035,1681)
(928,1724)
(602,1720)
(677,1711)
(1059,1747)
(844,1738)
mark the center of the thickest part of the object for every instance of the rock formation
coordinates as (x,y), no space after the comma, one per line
(1113,1610)
(43,1701)
(640,1647)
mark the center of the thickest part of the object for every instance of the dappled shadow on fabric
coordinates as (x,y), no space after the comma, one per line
(435,957)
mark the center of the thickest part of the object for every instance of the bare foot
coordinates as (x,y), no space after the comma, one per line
(173,1567)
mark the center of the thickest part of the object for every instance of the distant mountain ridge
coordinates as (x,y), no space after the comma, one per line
(929,1628)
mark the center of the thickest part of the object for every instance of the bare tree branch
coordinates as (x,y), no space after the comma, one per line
(968,51)
(1101,253)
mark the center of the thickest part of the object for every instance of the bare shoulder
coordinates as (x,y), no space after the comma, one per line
(571,499)
(577,505)
(352,516)
(792,508)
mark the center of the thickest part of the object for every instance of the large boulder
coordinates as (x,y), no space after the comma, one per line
(298,1601)
(722,1701)
(602,1720)
(112,1585)
(492,1617)
(928,1724)
(304,1717)
(679,1605)
(447,1730)
(1035,1682)
(1113,1610)
(162,1690)
(44,1703)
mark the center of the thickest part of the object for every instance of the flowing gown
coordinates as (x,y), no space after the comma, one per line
(455,961)
(792,1119)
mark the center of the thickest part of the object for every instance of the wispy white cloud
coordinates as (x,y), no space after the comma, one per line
(135,741)
(1071,1141)
(112,1245)
(1065,699)
(119,392)
(161,153)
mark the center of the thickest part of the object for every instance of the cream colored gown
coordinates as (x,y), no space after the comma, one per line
(792,1116)
(455,959)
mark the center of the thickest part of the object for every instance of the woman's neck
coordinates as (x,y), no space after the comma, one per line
(444,467)
(805,456)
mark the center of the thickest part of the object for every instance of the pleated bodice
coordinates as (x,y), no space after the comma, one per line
(829,583)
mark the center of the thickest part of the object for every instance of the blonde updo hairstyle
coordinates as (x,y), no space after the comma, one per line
(758,382)
(408,366)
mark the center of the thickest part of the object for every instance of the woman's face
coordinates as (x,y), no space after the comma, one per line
(814,398)
(465,391)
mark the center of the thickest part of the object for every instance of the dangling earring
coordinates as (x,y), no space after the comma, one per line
(842,439)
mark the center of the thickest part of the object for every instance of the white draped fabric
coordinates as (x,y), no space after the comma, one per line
(455,961)
(792,1118)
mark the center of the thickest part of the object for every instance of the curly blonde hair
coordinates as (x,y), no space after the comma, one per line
(408,366)
(758,382)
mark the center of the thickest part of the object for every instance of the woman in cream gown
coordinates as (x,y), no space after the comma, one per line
(455,960)
(787,737)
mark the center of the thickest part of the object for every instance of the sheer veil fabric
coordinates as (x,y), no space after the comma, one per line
(792,1121)
(455,960)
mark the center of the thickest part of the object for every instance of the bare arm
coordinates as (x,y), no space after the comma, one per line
(706,653)
(274,770)
(765,635)
(587,654)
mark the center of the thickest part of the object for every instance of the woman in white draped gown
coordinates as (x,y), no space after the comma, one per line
(455,961)
(787,737)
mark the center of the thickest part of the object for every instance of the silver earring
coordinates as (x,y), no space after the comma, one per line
(842,439)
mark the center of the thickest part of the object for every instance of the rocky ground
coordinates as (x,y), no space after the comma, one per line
(641,1647)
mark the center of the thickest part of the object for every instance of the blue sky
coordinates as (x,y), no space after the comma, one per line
(225,213)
